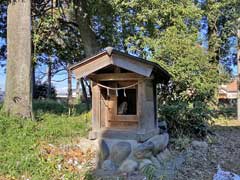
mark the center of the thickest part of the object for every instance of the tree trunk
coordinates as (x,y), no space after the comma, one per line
(84,93)
(89,88)
(238,78)
(49,78)
(88,36)
(18,99)
(33,81)
(69,99)
(78,90)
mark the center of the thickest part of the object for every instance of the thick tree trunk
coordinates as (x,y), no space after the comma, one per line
(238,65)
(88,36)
(18,99)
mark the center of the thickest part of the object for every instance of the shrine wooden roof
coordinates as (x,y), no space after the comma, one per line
(126,61)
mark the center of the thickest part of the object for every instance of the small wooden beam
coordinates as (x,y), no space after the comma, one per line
(116,77)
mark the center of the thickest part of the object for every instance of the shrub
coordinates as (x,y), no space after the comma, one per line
(185,101)
(186,118)
(49,106)
(227,112)
(40,91)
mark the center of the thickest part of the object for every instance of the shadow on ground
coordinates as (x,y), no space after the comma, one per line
(223,149)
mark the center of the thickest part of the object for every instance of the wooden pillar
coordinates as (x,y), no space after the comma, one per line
(146,108)
(140,99)
(95,107)
(155,103)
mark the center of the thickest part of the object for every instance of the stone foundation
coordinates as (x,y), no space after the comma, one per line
(118,155)
(123,134)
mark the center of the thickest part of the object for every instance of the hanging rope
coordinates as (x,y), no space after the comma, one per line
(126,87)
(116,89)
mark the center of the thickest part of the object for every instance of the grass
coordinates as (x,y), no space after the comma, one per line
(59,108)
(21,141)
(226,122)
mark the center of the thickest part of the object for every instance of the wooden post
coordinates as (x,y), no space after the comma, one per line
(140,96)
(95,107)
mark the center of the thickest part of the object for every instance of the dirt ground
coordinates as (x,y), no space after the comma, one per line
(200,163)
(223,149)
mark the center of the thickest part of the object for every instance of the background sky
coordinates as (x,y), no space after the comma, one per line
(2,79)
(2,73)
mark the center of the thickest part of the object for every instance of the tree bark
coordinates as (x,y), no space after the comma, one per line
(89,88)
(85,93)
(69,99)
(33,81)
(88,36)
(78,90)
(18,100)
(238,78)
(49,73)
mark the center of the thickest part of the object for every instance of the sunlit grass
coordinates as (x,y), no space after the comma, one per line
(21,140)
(223,121)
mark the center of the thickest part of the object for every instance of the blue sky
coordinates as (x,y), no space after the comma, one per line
(2,79)
(2,74)
(62,86)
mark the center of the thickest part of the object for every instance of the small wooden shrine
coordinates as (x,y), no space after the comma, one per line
(124,100)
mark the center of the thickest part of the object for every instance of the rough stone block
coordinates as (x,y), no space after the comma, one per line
(109,165)
(128,166)
(119,152)
(160,142)
(143,150)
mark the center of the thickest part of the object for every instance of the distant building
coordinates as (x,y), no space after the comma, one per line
(62,94)
(228,91)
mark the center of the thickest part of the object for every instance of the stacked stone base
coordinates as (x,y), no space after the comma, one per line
(125,156)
